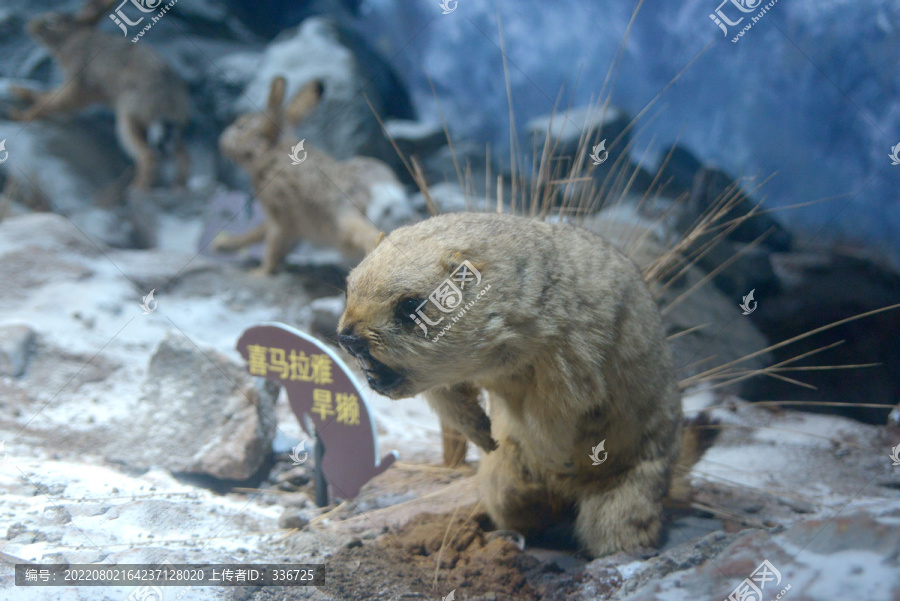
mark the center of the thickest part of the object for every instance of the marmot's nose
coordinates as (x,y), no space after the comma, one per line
(353,344)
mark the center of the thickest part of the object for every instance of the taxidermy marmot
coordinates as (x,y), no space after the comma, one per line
(567,344)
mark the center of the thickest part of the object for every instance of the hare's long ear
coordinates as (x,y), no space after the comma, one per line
(304,101)
(93,11)
(274,110)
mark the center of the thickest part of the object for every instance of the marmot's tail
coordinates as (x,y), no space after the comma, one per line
(697,437)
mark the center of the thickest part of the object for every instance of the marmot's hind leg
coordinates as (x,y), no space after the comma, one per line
(624,518)
(514,499)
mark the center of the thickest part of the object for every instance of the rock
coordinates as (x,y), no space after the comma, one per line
(389,207)
(471,158)
(588,122)
(589,126)
(709,187)
(64,175)
(126,226)
(725,334)
(416,138)
(448,197)
(326,312)
(640,238)
(268,20)
(207,409)
(293,499)
(748,269)
(813,559)
(44,232)
(40,249)
(677,174)
(292,517)
(296,476)
(839,282)
(16,347)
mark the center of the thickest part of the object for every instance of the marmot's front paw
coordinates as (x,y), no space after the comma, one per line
(480,434)
(485,442)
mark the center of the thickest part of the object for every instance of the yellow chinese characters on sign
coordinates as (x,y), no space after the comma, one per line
(345,407)
(295,366)
(322,403)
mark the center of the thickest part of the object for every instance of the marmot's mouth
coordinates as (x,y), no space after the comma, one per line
(381,378)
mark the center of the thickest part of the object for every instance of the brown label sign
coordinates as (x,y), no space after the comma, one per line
(320,387)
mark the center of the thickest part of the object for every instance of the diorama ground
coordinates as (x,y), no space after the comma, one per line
(93,465)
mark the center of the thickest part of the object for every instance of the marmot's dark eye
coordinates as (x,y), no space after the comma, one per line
(408,307)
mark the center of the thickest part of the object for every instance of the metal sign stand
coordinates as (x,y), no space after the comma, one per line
(321,485)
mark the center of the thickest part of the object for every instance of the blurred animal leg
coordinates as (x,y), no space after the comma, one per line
(226,242)
(626,517)
(66,98)
(457,406)
(278,244)
(514,498)
(182,161)
(133,137)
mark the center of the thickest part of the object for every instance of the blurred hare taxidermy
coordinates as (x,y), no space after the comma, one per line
(306,194)
(149,99)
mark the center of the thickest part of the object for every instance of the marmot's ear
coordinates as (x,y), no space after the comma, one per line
(381,236)
(456,262)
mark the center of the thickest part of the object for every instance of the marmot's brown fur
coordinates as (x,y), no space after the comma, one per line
(568,345)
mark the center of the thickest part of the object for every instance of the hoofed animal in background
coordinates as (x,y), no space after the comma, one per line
(561,332)
(150,100)
(317,198)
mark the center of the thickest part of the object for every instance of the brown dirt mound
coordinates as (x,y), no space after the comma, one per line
(475,563)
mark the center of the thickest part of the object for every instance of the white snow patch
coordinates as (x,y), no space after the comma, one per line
(627,570)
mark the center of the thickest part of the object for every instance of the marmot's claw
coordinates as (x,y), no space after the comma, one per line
(513,536)
(486,444)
